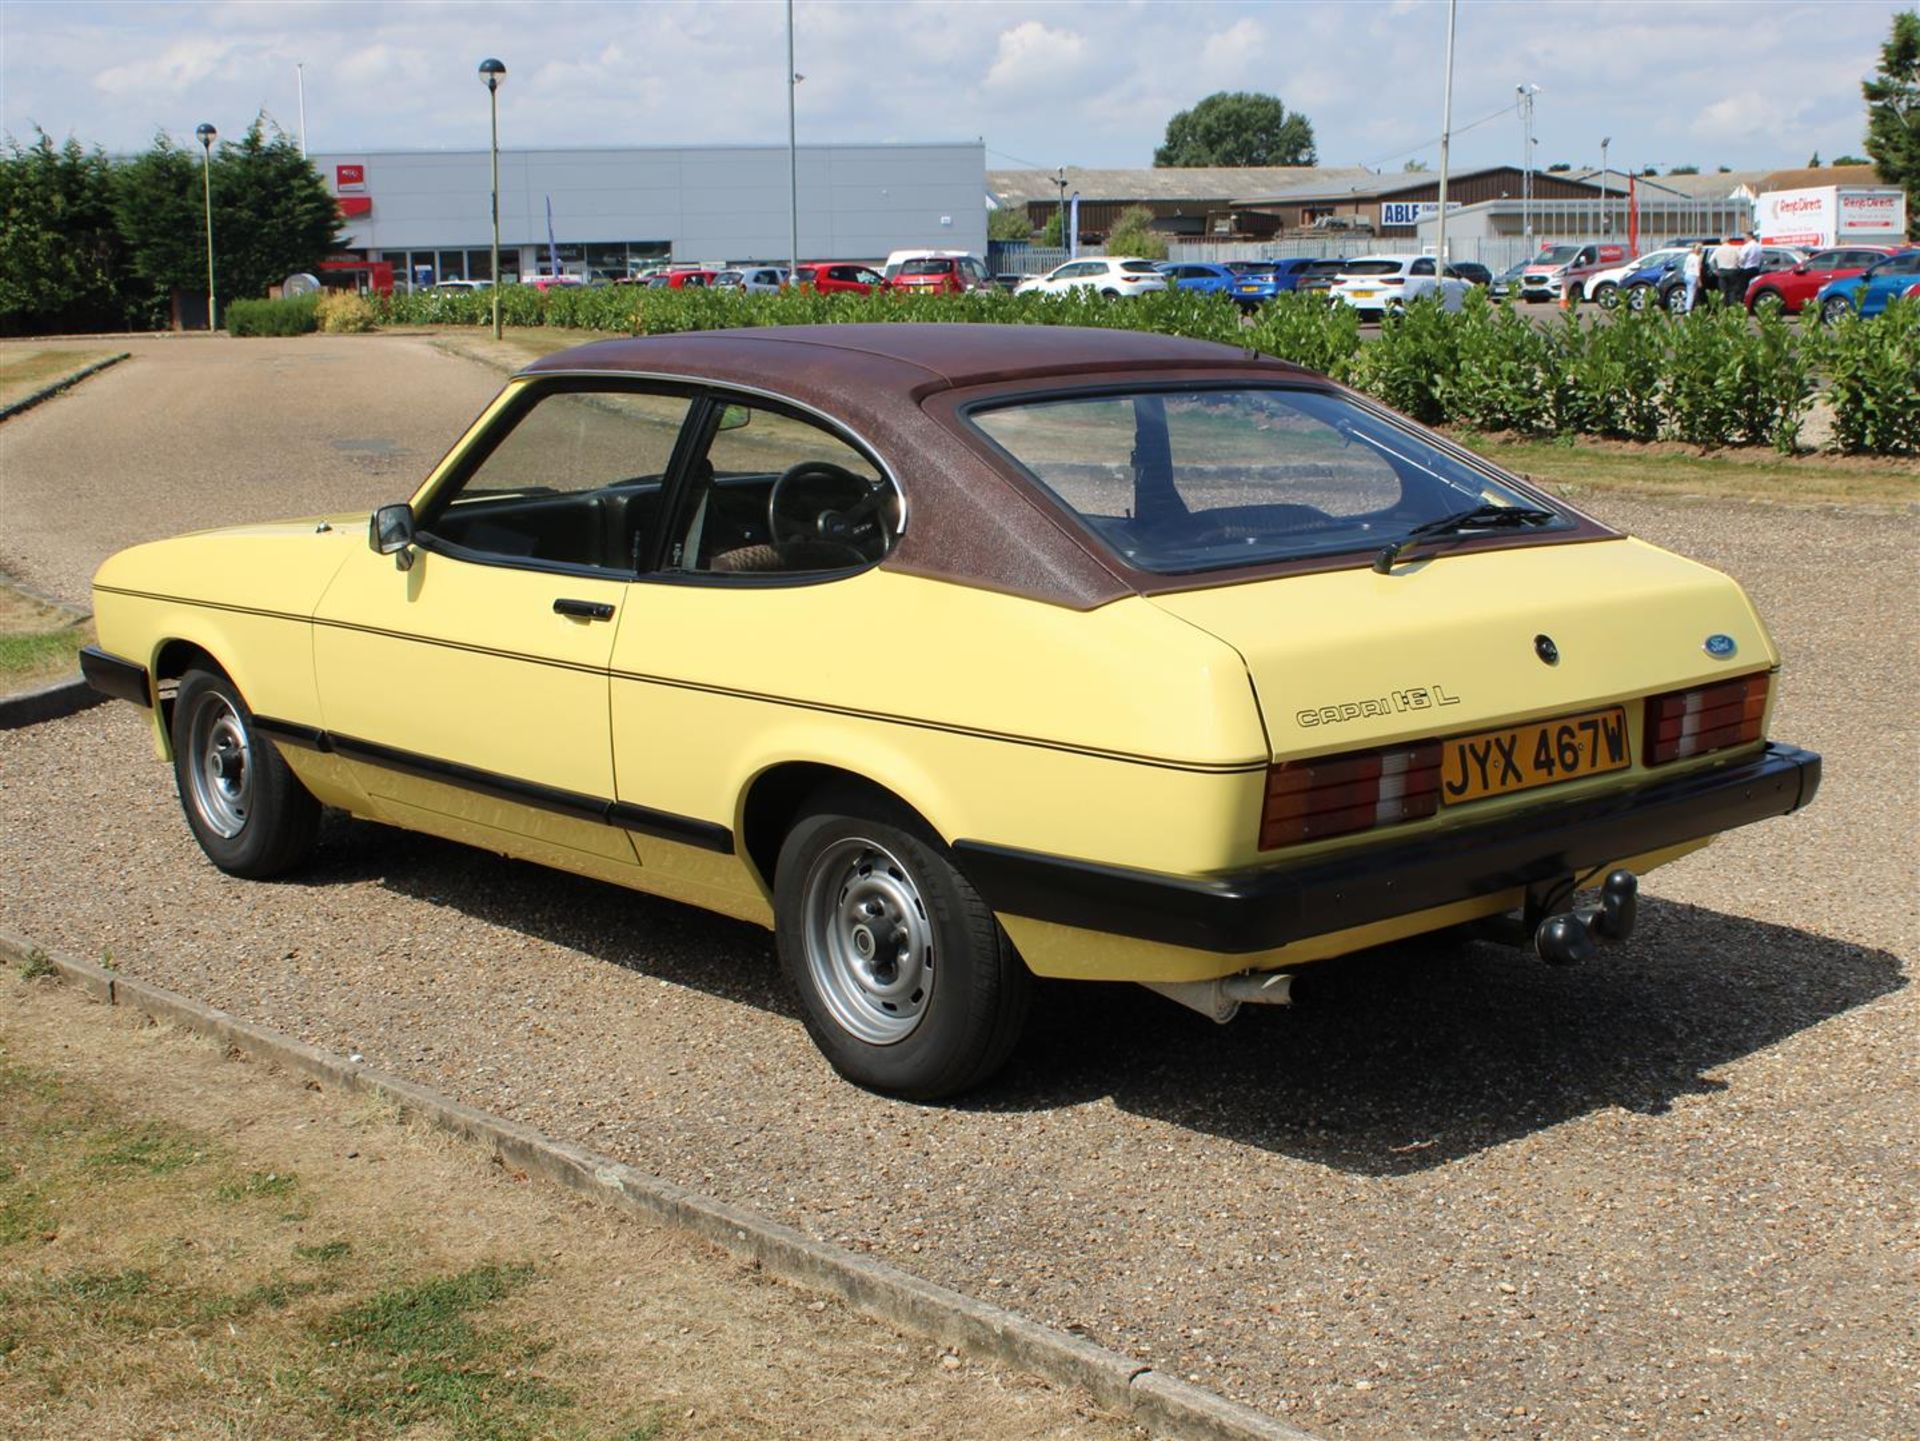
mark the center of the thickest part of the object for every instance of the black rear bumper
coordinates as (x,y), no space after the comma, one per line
(1268,907)
(112,676)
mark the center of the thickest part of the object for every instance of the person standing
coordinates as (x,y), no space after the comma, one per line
(1690,271)
(1725,261)
(1749,262)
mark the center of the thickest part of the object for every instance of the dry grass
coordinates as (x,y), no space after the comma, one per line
(1667,469)
(27,368)
(39,642)
(192,1246)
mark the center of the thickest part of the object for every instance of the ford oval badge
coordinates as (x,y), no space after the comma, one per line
(1720,646)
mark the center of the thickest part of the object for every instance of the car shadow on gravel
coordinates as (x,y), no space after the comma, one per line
(1388,1062)
(1411,1056)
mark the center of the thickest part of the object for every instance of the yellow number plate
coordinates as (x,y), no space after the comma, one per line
(1545,753)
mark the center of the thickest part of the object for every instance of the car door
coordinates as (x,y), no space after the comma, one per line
(466,679)
(740,632)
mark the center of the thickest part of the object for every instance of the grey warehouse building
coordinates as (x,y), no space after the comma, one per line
(617,210)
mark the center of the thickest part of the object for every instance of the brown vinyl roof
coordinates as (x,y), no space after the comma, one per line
(973,516)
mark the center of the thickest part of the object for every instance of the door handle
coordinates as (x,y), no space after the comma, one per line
(583,609)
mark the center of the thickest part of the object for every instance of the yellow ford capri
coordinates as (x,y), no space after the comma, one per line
(958,655)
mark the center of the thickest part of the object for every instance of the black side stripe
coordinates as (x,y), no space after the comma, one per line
(705,835)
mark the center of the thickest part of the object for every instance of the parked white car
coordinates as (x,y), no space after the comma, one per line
(1376,284)
(754,279)
(1113,275)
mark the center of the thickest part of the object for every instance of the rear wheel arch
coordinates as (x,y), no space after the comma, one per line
(779,797)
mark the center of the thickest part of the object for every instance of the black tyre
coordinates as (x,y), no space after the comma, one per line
(1834,309)
(1607,295)
(1768,302)
(1637,296)
(907,983)
(250,814)
(1675,300)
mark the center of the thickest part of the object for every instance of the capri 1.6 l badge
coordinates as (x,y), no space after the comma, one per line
(1720,647)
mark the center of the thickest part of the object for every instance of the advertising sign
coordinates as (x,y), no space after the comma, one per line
(1412,212)
(1796,217)
(349,177)
(1872,215)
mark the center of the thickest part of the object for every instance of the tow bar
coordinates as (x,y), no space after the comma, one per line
(1573,937)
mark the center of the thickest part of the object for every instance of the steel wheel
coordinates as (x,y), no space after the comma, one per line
(869,942)
(220,761)
(243,804)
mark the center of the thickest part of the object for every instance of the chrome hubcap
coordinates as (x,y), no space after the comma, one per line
(221,766)
(869,942)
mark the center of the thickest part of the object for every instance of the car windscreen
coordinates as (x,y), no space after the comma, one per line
(1177,480)
(1558,255)
(927,267)
(1372,267)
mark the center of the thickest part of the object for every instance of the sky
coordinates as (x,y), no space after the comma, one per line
(1749,84)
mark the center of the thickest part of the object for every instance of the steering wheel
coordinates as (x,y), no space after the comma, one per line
(819,508)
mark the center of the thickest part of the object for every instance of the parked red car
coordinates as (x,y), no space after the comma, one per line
(847,277)
(692,278)
(942,275)
(1791,290)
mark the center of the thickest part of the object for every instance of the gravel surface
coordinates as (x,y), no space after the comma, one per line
(1450,1193)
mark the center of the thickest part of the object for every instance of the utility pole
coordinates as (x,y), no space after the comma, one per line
(1526,94)
(1446,140)
(793,162)
(1605,219)
(300,71)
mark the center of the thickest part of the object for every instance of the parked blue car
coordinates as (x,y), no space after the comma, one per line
(1869,292)
(1197,275)
(1258,288)
(1642,287)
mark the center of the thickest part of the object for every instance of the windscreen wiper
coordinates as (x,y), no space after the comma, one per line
(1479,517)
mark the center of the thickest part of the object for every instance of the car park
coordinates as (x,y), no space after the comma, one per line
(1544,276)
(1201,277)
(1375,285)
(1603,284)
(1177,665)
(1113,276)
(1472,271)
(839,277)
(754,279)
(1255,288)
(1318,276)
(1506,284)
(1872,290)
(1790,289)
(1641,288)
(1670,290)
(940,275)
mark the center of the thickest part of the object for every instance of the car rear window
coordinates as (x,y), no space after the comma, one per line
(1137,267)
(1180,480)
(927,267)
(1371,267)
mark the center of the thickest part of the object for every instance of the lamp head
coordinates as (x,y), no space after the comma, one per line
(206,135)
(493,74)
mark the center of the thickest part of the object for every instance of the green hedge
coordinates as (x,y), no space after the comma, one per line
(298,315)
(1712,378)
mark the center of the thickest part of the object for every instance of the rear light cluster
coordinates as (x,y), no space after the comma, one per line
(1337,795)
(1686,723)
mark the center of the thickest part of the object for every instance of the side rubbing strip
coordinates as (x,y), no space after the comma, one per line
(686,830)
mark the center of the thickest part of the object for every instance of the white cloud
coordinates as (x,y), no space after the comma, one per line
(183,64)
(1235,50)
(1035,54)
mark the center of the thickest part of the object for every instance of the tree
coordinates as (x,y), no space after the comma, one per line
(1684,170)
(1238,128)
(62,265)
(1559,167)
(1852,160)
(1050,232)
(272,214)
(1009,223)
(1133,235)
(1813,161)
(1414,167)
(1893,113)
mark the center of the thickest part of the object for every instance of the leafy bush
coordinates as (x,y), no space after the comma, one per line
(1308,330)
(1414,363)
(1614,377)
(1727,381)
(295,315)
(1133,234)
(1873,380)
(344,313)
(1502,369)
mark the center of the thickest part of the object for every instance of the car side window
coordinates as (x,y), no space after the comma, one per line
(772,493)
(576,480)
(1423,267)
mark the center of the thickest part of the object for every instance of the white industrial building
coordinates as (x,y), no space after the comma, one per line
(426,213)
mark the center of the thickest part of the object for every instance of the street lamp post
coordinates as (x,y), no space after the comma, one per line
(1606,220)
(494,74)
(1526,94)
(206,135)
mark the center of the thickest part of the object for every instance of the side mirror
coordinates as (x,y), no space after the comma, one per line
(390,532)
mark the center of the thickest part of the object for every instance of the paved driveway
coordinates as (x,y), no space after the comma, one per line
(1449,1193)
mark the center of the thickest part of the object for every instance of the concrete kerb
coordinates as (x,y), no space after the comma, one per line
(62,698)
(1166,1406)
(47,392)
